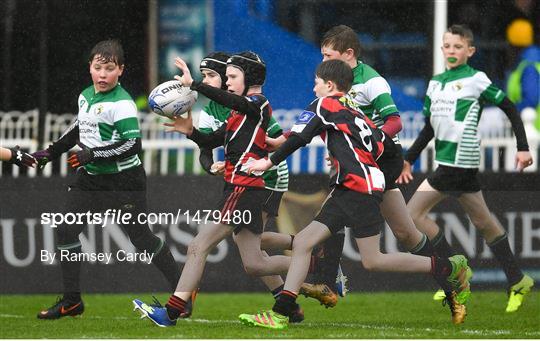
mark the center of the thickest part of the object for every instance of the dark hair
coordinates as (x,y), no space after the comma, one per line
(464,31)
(217,62)
(109,51)
(336,71)
(341,38)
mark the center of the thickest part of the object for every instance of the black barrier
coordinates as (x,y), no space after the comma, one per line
(27,243)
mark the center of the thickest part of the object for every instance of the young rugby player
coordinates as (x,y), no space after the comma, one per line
(243,137)
(213,69)
(452,107)
(109,173)
(369,93)
(354,144)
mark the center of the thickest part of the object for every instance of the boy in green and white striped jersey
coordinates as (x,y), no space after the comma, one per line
(452,107)
(110,176)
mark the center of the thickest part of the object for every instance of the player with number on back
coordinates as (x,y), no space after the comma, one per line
(354,144)
(370,93)
(452,107)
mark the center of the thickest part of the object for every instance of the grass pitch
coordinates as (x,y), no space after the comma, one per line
(361,315)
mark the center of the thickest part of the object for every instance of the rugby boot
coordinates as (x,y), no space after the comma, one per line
(62,308)
(458,310)
(265,319)
(517,293)
(320,292)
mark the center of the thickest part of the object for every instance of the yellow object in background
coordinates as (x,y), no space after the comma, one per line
(520,33)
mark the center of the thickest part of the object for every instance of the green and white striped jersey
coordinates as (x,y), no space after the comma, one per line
(454,103)
(106,118)
(213,115)
(371,94)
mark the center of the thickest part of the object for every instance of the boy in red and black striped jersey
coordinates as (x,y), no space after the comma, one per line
(243,136)
(354,143)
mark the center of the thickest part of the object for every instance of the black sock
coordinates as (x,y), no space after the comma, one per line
(72,297)
(277,291)
(441,246)
(285,303)
(175,306)
(71,273)
(501,249)
(165,262)
(328,265)
(441,268)
(424,248)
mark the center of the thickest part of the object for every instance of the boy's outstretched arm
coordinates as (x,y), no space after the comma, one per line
(423,138)
(67,141)
(293,143)
(523,156)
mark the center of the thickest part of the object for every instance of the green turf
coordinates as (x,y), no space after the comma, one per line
(361,315)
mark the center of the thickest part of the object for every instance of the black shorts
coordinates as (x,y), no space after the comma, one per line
(391,163)
(360,212)
(271,205)
(454,181)
(242,207)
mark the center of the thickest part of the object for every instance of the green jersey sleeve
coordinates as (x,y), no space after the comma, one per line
(488,92)
(126,122)
(385,105)
(379,94)
(274,130)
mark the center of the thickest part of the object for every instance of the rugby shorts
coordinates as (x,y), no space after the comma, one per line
(242,207)
(358,211)
(454,181)
(271,205)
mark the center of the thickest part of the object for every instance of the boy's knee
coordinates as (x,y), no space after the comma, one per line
(301,245)
(370,263)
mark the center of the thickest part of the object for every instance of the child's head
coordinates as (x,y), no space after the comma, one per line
(341,42)
(244,70)
(332,76)
(213,68)
(106,64)
(458,45)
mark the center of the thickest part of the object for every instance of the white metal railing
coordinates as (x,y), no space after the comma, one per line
(167,154)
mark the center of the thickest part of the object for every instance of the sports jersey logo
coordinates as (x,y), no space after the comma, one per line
(98,110)
(81,103)
(305,117)
(458,86)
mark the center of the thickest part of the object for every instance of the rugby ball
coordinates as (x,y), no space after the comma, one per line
(171,99)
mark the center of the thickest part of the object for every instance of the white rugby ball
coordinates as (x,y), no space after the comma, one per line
(171,99)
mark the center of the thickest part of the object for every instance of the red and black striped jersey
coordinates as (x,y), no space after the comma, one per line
(353,141)
(245,141)
(243,134)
